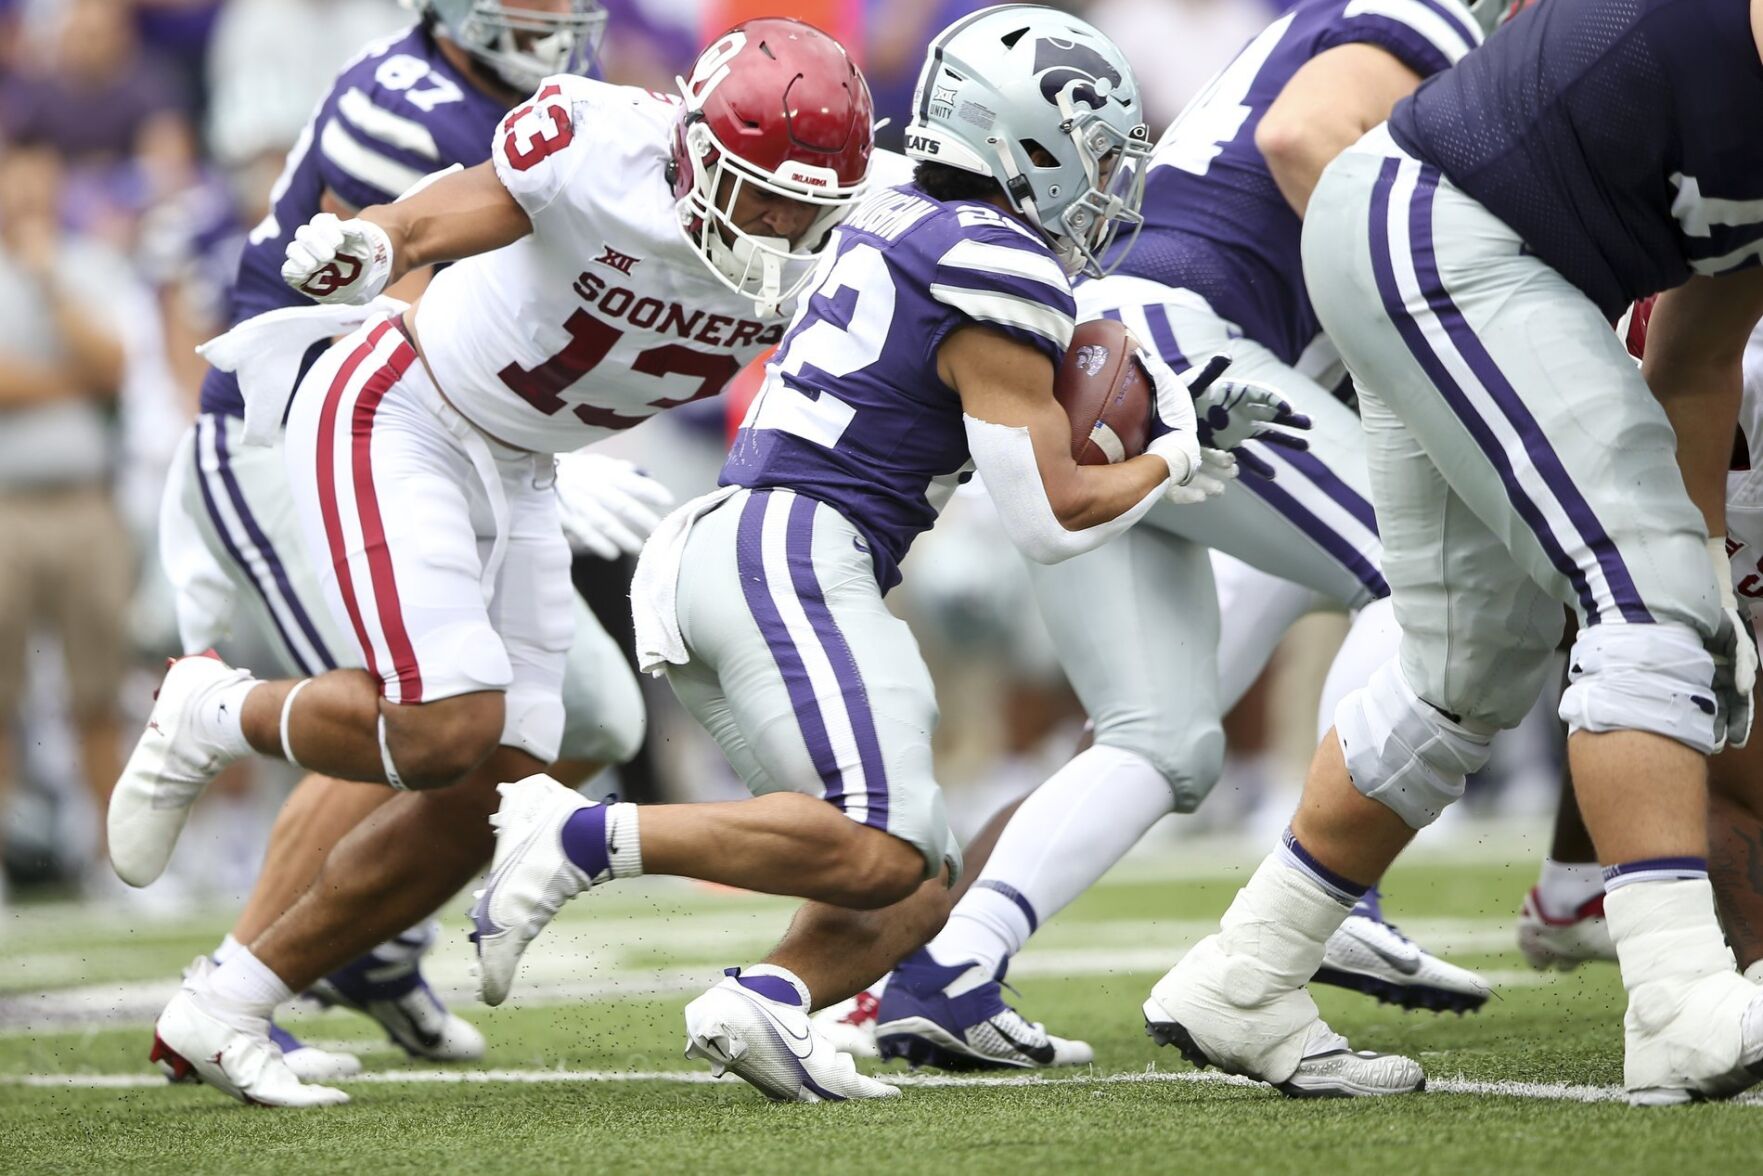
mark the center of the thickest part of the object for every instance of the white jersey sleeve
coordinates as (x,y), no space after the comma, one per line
(547,140)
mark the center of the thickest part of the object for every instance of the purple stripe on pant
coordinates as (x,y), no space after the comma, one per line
(799,546)
(1512,407)
(1383,269)
(1338,547)
(750,564)
(232,548)
(260,539)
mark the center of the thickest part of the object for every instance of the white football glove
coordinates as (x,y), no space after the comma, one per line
(334,260)
(608,506)
(1217,468)
(1176,440)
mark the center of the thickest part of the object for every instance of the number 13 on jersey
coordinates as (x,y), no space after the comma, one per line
(840,328)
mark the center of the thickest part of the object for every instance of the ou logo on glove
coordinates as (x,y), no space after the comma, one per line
(333,277)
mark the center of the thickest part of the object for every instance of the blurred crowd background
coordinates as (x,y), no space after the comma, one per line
(139,140)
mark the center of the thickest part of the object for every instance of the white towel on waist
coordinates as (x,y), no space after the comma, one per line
(265,351)
(655,586)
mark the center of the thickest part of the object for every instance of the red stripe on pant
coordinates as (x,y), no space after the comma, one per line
(367,509)
(373,531)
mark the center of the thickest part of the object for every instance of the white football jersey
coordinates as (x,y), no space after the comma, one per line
(604,314)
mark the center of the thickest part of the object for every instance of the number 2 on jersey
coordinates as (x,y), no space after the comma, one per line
(829,347)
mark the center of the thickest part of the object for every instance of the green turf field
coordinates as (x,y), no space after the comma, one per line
(585,1073)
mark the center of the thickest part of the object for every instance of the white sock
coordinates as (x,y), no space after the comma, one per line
(1067,834)
(1666,930)
(1373,639)
(1564,887)
(220,717)
(229,947)
(245,985)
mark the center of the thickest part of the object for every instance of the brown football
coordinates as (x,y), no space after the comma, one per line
(1105,391)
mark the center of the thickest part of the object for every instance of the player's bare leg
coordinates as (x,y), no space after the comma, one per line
(316,815)
(1735,849)
(839,952)
(208,715)
(1561,923)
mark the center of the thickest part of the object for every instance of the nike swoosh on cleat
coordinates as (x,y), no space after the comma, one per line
(1039,1054)
(789,1033)
(1407,965)
(480,911)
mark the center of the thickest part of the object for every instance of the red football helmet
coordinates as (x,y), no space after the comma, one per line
(778,104)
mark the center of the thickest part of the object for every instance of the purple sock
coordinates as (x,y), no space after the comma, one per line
(1666,869)
(584,841)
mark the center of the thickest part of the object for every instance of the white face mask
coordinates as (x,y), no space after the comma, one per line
(768,269)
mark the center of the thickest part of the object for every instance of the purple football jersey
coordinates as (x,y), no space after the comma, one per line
(1622,139)
(852,411)
(1215,222)
(397,112)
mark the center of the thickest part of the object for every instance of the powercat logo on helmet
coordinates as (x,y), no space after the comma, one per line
(1062,63)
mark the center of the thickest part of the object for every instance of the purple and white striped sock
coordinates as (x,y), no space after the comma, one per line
(1343,890)
(1661,869)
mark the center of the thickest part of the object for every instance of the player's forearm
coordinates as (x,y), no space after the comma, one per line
(1043,504)
(459,216)
(1329,103)
(1089,496)
(1702,404)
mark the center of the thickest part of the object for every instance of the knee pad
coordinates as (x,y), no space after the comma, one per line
(1657,678)
(533,722)
(1404,753)
(1189,758)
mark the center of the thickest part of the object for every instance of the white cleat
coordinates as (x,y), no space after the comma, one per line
(1227,1011)
(1564,942)
(1702,1040)
(1372,957)
(530,878)
(310,1063)
(170,767)
(772,1046)
(849,1026)
(189,1040)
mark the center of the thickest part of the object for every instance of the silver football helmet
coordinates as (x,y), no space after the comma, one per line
(1491,14)
(522,41)
(1046,105)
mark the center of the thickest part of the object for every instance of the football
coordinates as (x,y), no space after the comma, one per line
(1106,392)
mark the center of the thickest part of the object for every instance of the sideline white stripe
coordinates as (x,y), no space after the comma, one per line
(1542,1091)
(821,675)
(1481,401)
(256,561)
(364,163)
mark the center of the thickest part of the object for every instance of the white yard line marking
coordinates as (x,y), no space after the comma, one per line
(1544,1091)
